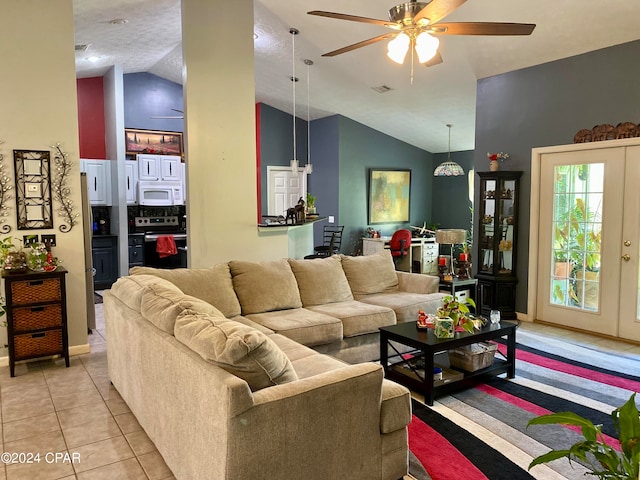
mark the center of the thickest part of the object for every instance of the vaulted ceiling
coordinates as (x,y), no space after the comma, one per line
(150,41)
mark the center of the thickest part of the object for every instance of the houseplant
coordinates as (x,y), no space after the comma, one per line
(12,257)
(602,459)
(311,203)
(458,312)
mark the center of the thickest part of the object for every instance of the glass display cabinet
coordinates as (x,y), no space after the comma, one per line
(497,235)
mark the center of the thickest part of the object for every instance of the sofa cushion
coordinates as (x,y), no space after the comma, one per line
(405,304)
(265,286)
(302,325)
(357,317)
(237,348)
(213,285)
(321,281)
(370,273)
(158,300)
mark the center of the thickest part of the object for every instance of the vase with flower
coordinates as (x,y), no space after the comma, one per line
(495,159)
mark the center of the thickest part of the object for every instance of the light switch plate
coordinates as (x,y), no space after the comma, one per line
(49,239)
(28,240)
(332,219)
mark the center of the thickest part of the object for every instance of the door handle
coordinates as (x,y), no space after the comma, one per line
(627,243)
(626,257)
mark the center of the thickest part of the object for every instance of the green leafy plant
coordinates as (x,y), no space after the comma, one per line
(458,312)
(311,200)
(603,460)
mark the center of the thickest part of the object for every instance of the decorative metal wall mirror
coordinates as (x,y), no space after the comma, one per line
(33,189)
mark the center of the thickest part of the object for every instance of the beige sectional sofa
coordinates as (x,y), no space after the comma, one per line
(222,368)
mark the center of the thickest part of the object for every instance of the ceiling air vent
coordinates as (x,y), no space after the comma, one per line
(381,89)
(82,47)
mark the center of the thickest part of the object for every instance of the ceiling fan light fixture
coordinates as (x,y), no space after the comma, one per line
(426,47)
(398,47)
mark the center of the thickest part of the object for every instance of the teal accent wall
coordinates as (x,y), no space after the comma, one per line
(362,148)
(450,195)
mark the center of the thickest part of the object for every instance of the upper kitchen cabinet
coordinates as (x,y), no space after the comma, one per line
(131,170)
(159,167)
(98,180)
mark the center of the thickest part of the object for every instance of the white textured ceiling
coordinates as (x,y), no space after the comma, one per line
(416,114)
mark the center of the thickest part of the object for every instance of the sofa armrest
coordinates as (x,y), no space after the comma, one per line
(417,283)
(330,422)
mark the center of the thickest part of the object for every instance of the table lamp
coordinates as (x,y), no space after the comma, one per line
(451,237)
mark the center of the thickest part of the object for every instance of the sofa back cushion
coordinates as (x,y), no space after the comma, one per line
(213,285)
(158,300)
(370,273)
(239,349)
(265,286)
(321,281)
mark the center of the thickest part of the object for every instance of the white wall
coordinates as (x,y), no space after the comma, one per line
(38,108)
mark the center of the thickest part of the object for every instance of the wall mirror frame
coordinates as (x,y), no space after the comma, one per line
(33,189)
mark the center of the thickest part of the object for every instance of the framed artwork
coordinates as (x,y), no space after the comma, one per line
(389,194)
(33,189)
(153,141)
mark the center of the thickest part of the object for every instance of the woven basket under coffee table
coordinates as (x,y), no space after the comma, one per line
(396,339)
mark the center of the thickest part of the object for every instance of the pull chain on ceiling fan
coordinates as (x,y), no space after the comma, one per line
(415,24)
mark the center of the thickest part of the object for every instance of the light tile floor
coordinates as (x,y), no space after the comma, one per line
(48,409)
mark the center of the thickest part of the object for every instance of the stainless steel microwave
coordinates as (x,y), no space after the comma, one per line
(159,194)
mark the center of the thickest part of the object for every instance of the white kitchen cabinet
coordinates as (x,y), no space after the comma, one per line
(159,168)
(131,171)
(98,180)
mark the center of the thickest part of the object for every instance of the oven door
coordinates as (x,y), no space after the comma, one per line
(153,259)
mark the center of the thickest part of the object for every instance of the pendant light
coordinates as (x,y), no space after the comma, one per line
(448,168)
(294,32)
(309,167)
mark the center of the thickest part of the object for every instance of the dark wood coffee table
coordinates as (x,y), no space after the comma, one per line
(427,345)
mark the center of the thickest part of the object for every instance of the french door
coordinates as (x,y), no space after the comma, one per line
(588,244)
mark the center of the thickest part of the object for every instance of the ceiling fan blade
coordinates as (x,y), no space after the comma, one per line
(354,18)
(364,43)
(437,10)
(436,60)
(483,28)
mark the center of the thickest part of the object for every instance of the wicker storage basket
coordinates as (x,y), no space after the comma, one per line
(32,291)
(38,344)
(34,318)
(473,357)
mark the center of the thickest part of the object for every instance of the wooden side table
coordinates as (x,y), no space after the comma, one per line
(36,315)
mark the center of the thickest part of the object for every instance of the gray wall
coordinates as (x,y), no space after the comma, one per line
(147,95)
(276,143)
(546,105)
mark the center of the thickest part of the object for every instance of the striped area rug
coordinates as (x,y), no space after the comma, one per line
(480,433)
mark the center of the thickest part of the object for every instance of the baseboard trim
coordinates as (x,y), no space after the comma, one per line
(73,351)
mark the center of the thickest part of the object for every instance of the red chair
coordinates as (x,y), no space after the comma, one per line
(400,244)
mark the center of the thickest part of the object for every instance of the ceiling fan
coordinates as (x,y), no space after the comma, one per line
(415,22)
(170,116)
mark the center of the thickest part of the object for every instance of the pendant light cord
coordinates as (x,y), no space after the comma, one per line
(309,63)
(449,154)
(294,32)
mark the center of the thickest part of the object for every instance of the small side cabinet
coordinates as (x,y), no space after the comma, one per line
(36,315)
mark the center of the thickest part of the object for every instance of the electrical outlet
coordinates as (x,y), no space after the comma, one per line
(28,240)
(49,240)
